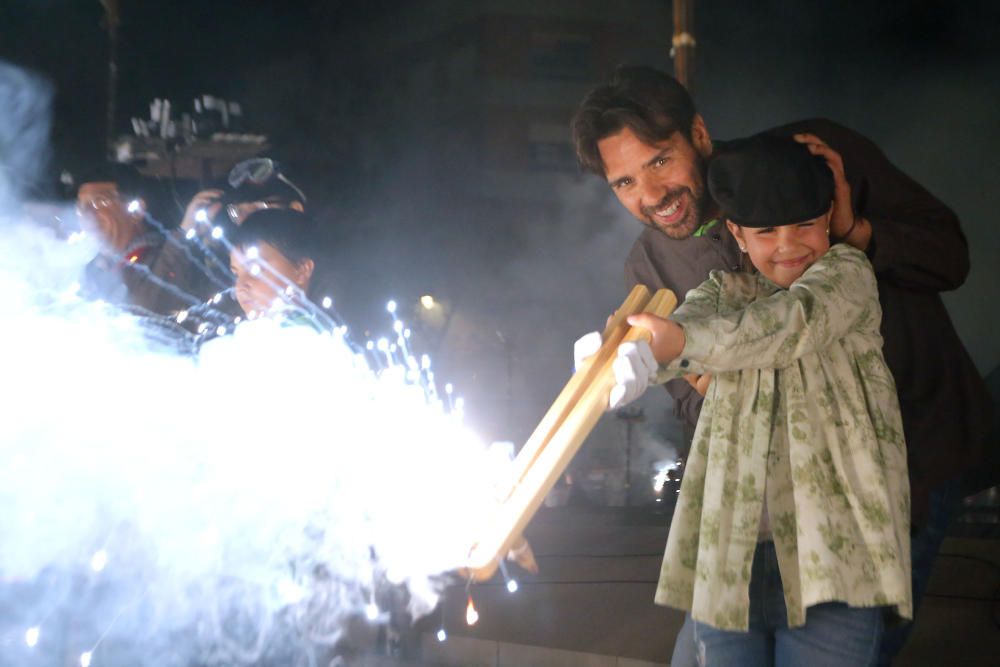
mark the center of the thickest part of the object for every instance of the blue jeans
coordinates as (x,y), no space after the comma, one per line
(834,635)
(925,544)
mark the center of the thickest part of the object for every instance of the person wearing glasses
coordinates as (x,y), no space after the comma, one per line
(194,259)
(112,204)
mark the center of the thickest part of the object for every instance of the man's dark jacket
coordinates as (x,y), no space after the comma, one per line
(917,250)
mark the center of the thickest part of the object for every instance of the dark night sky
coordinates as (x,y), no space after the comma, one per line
(920,78)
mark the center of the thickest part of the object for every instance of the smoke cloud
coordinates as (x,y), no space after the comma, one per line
(245,505)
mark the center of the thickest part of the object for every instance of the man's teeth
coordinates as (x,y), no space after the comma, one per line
(670,210)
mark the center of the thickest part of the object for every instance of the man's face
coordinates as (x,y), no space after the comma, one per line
(661,184)
(102,212)
(784,253)
(262,276)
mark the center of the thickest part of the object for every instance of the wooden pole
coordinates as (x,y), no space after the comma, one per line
(563,429)
(683,43)
(112,19)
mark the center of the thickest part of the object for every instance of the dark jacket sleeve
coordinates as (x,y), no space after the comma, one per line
(687,401)
(917,241)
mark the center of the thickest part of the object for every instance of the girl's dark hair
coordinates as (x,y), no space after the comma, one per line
(649,102)
(292,233)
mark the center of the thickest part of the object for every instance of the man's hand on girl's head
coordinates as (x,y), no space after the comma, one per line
(845,223)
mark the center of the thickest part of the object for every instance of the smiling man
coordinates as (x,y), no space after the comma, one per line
(661,183)
(642,133)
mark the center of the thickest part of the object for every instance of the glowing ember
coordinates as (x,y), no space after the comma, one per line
(99,560)
(471,615)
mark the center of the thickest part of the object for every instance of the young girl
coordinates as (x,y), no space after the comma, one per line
(791,535)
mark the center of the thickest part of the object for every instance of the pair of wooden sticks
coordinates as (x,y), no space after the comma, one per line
(558,437)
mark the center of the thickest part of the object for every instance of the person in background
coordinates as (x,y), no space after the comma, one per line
(193,259)
(113,202)
(274,260)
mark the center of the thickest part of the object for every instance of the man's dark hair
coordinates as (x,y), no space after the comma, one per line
(649,102)
(129,183)
(290,232)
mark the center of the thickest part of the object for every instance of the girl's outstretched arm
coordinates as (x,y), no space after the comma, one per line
(833,297)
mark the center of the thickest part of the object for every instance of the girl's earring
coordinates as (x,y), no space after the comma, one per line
(743,248)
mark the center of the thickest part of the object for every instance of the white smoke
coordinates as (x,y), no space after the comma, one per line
(244,505)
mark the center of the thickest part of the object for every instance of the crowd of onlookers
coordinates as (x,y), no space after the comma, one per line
(244,249)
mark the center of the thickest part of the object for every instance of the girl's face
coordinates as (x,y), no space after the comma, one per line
(784,253)
(262,276)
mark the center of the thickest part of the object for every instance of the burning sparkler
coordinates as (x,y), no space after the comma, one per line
(272,514)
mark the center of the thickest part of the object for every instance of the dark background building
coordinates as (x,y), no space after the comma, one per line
(432,139)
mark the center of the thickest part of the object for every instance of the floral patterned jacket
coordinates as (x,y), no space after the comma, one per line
(803,409)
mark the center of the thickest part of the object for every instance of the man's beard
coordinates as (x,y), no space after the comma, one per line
(696,202)
(684,227)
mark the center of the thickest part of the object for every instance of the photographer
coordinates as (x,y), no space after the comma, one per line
(193,259)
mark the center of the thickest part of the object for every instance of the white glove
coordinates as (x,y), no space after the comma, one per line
(586,346)
(635,369)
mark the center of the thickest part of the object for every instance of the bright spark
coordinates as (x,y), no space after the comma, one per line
(31,636)
(471,615)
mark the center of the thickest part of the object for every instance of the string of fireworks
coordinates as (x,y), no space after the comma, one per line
(397,358)
(394,356)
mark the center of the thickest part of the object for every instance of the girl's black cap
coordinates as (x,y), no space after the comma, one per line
(769,181)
